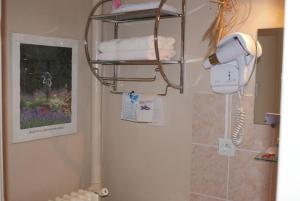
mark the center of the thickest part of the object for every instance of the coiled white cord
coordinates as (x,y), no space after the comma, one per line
(237,133)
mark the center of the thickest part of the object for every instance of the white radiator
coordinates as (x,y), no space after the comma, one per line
(80,195)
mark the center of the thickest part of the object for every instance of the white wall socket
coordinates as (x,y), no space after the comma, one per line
(226,147)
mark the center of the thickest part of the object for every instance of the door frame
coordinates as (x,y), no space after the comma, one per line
(289,152)
(1,127)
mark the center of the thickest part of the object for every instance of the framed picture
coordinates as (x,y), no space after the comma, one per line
(44,87)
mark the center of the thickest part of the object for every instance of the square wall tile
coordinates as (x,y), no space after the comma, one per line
(209,172)
(208,118)
(196,197)
(249,179)
(256,137)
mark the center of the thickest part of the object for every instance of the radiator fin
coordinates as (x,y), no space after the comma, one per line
(80,195)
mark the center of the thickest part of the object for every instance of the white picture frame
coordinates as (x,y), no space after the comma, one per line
(44,88)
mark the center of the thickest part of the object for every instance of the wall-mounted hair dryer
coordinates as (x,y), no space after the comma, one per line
(233,62)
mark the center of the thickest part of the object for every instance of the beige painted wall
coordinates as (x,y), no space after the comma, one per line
(145,163)
(140,162)
(43,169)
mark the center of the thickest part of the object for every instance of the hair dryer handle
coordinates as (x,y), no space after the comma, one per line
(244,75)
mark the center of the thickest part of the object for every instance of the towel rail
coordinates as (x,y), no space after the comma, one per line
(155,14)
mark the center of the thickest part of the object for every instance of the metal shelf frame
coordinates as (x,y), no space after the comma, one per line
(155,14)
(134,62)
(134,16)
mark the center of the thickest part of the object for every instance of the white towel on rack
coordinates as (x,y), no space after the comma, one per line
(137,55)
(143,6)
(137,43)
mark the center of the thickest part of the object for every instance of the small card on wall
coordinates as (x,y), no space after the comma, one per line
(129,106)
(142,108)
(145,108)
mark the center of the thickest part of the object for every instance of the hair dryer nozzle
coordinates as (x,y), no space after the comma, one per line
(210,61)
(206,64)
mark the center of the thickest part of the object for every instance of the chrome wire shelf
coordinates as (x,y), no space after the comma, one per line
(262,157)
(134,62)
(269,155)
(140,15)
(155,14)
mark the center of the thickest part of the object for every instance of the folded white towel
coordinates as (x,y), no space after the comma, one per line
(137,55)
(143,6)
(137,43)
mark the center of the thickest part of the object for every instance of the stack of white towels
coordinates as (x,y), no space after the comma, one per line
(143,6)
(138,48)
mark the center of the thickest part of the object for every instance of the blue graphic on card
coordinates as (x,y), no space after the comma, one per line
(134,98)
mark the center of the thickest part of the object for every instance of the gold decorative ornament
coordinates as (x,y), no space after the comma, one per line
(227,17)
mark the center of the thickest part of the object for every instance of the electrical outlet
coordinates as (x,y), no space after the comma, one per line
(226,147)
